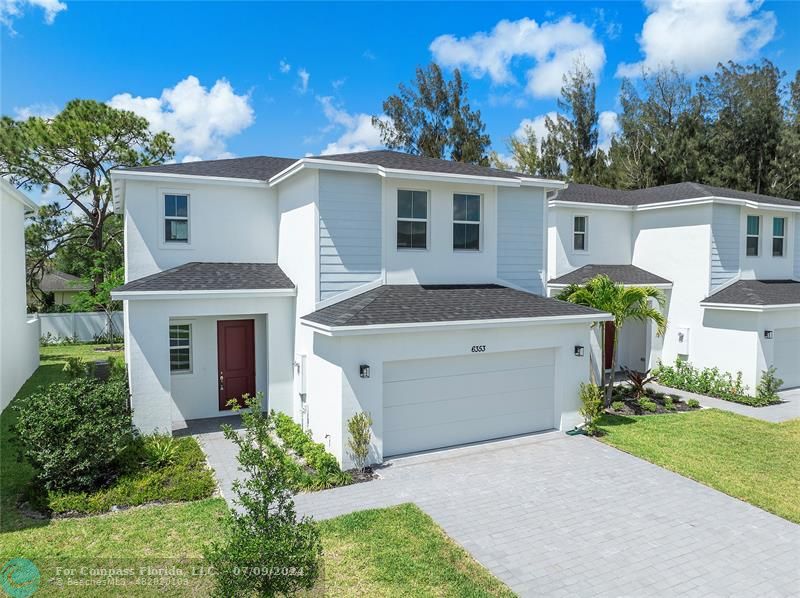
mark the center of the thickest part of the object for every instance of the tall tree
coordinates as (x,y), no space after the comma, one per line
(785,172)
(744,116)
(432,117)
(74,152)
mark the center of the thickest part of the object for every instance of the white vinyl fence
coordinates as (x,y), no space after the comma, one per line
(81,326)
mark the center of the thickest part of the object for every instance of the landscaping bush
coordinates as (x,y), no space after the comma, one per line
(74,432)
(693,404)
(159,451)
(618,406)
(360,430)
(647,405)
(669,404)
(591,407)
(263,535)
(768,386)
(638,381)
(712,382)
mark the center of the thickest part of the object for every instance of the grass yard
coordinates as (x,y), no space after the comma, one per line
(384,552)
(753,460)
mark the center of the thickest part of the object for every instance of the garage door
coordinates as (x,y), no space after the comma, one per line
(441,402)
(786,355)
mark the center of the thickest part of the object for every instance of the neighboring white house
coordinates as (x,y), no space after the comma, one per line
(404,286)
(728,261)
(19,336)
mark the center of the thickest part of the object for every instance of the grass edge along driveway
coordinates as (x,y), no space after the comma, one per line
(749,459)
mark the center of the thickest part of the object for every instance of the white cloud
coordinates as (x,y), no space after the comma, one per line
(304,75)
(284,66)
(359,133)
(554,47)
(538,126)
(200,119)
(696,35)
(12,9)
(608,127)
(43,110)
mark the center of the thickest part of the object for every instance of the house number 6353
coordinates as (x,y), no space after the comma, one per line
(478,348)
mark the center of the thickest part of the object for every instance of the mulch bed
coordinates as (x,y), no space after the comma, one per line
(633,406)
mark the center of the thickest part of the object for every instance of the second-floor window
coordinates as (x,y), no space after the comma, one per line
(412,219)
(778,236)
(579,228)
(466,221)
(176,218)
(753,231)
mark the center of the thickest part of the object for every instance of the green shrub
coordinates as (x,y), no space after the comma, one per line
(669,404)
(360,428)
(263,534)
(647,405)
(75,367)
(591,407)
(74,432)
(160,451)
(711,382)
(693,403)
(618,406)
(768,386)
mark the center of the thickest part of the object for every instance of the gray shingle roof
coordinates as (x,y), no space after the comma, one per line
(61,281)
(591,194)
(420,304)
(212,276)
(623,274)
(257,167)
(758,292)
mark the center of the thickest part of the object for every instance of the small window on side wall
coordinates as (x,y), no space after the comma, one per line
(412,219)
(180,348)
(778,236)
(579,228)
(176,218)
(753,232)
(466,222)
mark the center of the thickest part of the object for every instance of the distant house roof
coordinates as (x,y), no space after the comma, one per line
(622,274)
(425,304)
(583,193)
(212,276)
(56,281)
(758,293)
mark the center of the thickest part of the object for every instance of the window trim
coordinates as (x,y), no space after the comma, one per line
(190,346)
(162,241)
(782,237)
(427,220)
(585,233)
(454,221)
(748,236)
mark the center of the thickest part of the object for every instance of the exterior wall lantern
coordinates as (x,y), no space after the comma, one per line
(578,350)
(768,333)
(363,370)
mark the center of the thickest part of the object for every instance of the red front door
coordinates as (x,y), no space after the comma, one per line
(236,357)
(608,345)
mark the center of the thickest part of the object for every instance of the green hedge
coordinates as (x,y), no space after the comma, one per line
(326,470)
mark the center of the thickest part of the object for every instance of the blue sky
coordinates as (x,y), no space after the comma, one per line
(227,79)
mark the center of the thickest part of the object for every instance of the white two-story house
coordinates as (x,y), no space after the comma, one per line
(728,262)
(404,286)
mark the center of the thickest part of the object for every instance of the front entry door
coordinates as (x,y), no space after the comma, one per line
(236,357)
(608,342)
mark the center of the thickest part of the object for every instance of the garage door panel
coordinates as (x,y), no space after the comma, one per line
(442,411)
(786,355)
(446,387)
(457,400)
(465,364)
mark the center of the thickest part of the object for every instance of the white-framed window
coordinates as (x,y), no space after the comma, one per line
(176,217)
(180,348)
(412,219)
(778,236)
(752,239)
(580,231)
(466,222)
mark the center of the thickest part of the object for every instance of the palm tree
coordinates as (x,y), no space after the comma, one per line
(622,302)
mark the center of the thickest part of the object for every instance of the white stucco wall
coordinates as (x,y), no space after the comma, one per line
(345,393)
(19,337)
(227,223)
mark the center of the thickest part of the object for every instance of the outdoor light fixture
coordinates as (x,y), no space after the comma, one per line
(578,350)
(363,370)
(768,334)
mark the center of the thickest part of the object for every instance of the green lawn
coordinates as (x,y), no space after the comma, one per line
(385,552)
(753,460)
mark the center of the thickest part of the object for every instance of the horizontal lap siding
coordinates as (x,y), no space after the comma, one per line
(349,231)
(725,239)
(520,238)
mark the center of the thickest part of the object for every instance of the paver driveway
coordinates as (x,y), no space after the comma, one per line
(553,515)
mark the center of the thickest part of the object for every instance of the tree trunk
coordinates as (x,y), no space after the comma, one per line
(610,387)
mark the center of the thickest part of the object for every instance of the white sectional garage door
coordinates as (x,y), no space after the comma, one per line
(431,403)
(786,356)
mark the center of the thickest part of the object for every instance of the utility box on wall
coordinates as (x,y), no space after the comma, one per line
(682,340)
